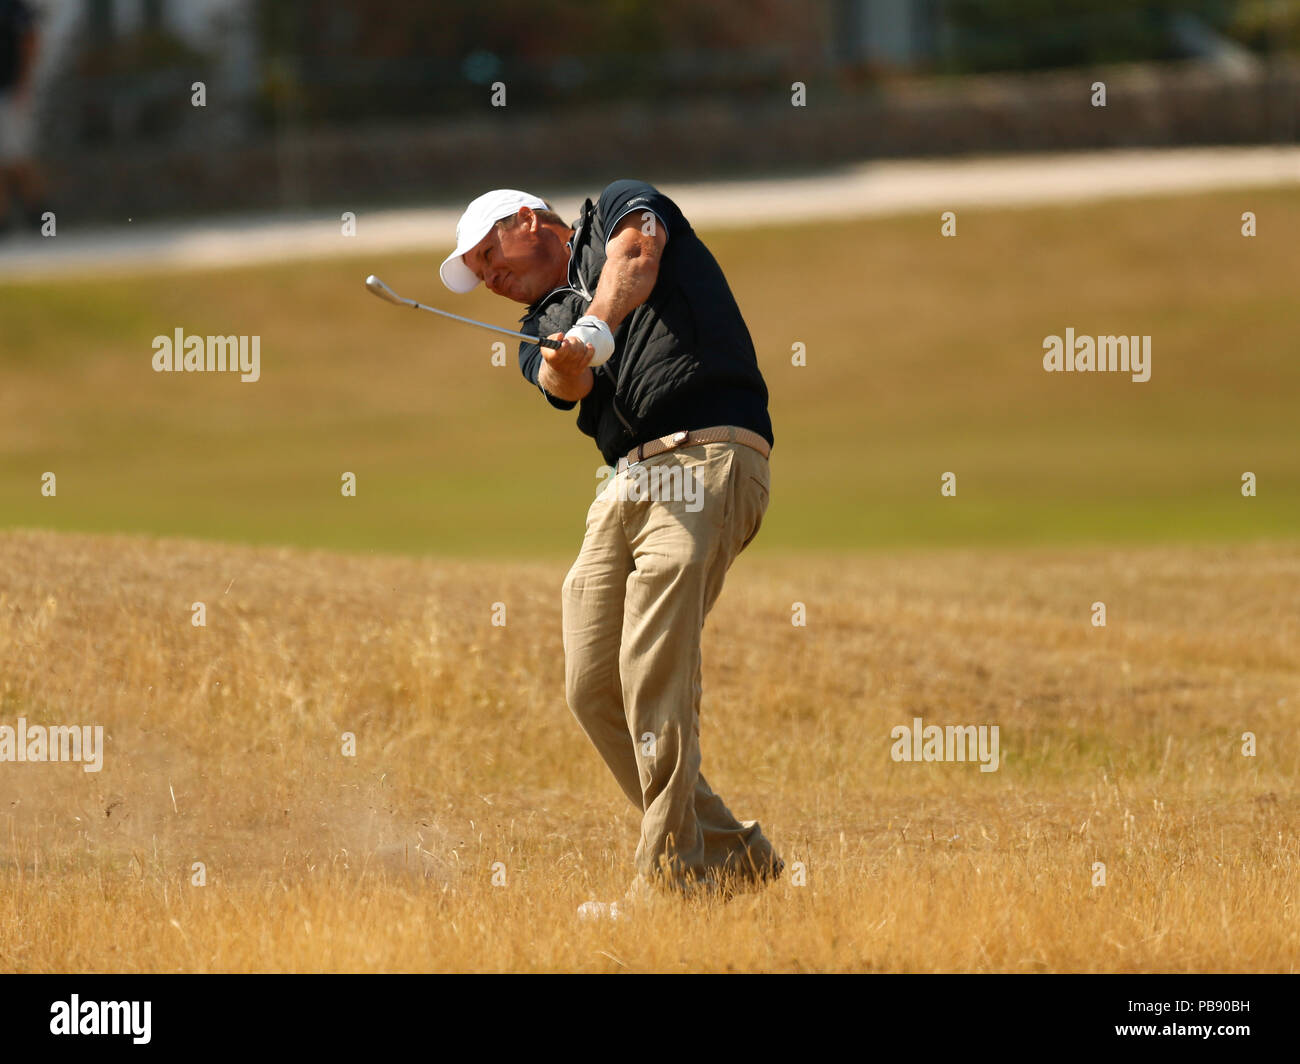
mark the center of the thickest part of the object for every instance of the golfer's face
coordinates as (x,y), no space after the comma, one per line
(514,262)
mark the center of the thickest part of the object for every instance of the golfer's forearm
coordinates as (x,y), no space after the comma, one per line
(624,285)
(570,388)
(631,269)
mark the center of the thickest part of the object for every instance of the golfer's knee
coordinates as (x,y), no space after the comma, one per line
(576,694)
(569,592)
(591,686)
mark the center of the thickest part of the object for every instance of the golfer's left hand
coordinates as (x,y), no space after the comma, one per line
(571,357)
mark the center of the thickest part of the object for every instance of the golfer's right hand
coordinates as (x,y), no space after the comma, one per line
(565,372)
(570,358)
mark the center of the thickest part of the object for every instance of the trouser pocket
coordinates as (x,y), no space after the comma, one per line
(751,494)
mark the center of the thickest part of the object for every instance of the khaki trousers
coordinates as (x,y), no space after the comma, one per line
(660,538)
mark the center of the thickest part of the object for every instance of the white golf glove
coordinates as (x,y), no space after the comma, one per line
(591,330)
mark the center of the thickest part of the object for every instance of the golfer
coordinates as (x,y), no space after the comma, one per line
(659,363)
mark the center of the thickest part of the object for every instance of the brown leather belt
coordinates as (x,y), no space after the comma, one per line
(717,434)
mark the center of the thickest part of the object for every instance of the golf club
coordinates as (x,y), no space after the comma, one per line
(384,292)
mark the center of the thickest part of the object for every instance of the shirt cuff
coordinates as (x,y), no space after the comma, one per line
(559,404)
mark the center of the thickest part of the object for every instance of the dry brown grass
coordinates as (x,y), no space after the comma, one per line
(1120,745)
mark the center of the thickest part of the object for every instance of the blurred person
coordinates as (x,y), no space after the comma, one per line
(658,356)
(20,181)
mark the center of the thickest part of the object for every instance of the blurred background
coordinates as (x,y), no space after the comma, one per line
(813,145)
(310,102)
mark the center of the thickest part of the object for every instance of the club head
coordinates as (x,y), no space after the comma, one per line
(377,287)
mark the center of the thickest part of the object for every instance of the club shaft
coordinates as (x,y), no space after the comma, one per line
(483,325)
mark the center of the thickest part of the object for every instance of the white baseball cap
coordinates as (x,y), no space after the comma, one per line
(474,225)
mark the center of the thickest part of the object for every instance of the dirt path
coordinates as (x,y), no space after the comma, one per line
(878,188)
